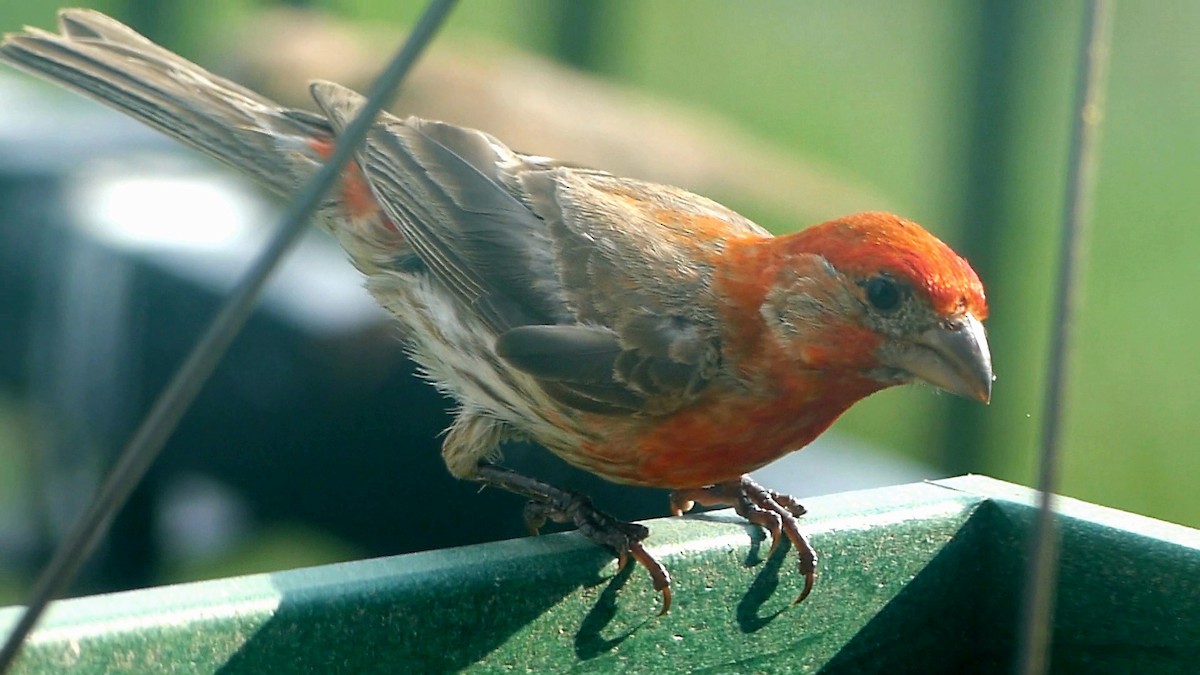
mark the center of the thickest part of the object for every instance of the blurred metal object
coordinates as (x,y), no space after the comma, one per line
(1037,611)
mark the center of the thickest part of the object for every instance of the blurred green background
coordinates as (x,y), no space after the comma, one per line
(957,113)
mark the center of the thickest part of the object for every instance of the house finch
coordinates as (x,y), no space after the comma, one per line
(638,331)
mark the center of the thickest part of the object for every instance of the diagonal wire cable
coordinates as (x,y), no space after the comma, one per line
(137,456)
(1037,610)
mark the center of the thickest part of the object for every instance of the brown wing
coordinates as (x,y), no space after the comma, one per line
(557,260)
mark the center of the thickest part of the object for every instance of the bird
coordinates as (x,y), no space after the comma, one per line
(638,331)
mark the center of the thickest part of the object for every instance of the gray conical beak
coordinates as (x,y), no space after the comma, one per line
(953,356)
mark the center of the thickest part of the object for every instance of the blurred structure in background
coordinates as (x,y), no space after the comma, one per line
(535,104)
(315,442)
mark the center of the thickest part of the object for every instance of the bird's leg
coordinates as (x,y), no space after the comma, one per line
(766,508)
(547,502)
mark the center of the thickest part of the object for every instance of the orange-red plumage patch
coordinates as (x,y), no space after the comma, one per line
(870,243)
(356,192)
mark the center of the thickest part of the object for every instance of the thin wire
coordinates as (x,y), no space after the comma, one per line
(1037,611)
(160,422)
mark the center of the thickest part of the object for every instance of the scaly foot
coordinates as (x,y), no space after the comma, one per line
(563,506)
(766,508)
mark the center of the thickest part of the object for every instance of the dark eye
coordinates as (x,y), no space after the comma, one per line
(883,294)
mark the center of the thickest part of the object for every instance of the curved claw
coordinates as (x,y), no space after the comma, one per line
(680,503)
(773,511)
(773,524)
(562,506)
(658,574)
(536,515)
(809,579)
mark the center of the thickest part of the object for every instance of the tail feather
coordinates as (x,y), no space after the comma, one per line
(107,61)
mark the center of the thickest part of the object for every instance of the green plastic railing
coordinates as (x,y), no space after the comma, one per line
(917,578)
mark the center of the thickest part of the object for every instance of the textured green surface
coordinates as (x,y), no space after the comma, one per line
(918,578)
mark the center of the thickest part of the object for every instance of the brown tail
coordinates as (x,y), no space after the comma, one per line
(108,61)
